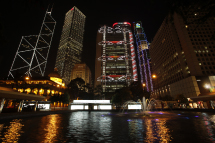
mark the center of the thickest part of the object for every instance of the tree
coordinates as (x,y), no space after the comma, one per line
(138,92)
(65,98)
(98,92)
(122,95)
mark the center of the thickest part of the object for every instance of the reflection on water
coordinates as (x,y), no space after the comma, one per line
(208,126)
(100,126)
(136,129)
(156,130)
(51,129)
(92,126)
(13,132)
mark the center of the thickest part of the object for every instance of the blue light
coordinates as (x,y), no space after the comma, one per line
(129,120)
(179,114)
(196,116)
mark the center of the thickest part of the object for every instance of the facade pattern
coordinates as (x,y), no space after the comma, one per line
(182,49)
(71,43)
(32,54)
(116,57)
(81,71)
(143,56)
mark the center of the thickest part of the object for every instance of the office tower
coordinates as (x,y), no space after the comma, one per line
(32,54)
(183,55)
(144,59)
(115,65)
(81,71)
(71,43)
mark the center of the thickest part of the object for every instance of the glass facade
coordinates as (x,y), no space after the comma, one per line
(118,67)
(71,43)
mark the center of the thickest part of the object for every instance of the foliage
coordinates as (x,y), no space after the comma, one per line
(122,95)
(181,98)
(98,92)
(65,98)
(138,92)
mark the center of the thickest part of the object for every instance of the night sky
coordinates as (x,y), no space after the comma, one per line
(24,17)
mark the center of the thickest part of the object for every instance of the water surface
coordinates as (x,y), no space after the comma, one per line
(101,126)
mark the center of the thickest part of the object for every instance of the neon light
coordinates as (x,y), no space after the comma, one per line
(142,52)
(72,8)
(121,23)
(134,67)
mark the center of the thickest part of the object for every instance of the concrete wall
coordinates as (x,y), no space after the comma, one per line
(188,87)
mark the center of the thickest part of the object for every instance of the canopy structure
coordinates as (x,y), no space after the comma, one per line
(203,98)
(8,93)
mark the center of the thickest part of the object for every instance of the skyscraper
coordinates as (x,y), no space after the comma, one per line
(144,59)
(71,43)
(32,54)
(81,70)
(115,65)
(183,55)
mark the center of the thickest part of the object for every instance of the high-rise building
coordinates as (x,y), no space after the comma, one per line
(71,43)
(144,59)
(81,71)
(183,55)
(32,53)
(115,65)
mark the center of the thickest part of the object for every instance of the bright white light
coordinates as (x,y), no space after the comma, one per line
(207,86)
(43,106)
(104,107)
(134,106)
(86,107)
(74,107)
(95,107)
(91,101)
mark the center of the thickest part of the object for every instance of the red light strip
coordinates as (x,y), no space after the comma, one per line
(122,23)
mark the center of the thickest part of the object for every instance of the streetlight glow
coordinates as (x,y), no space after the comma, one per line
(207,86)
(144,84)
(153,76)
(27,78)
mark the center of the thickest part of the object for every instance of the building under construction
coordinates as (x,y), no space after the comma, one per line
(115,65)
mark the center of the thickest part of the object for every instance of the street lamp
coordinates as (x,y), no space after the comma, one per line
(207,86)
(27,78)
(154,76)
(144,84)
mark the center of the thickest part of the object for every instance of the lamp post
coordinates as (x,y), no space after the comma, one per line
(154,76)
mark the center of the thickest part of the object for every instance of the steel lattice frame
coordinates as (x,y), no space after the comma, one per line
(32,54)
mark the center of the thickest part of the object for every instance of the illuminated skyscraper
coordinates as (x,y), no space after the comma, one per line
(115,65)
(71,43)
(144,59)
(32,54)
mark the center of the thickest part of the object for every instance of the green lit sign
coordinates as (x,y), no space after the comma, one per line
(137,25)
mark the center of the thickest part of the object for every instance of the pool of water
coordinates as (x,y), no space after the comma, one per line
(103,126)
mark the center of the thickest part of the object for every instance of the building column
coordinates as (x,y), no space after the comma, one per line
(2,104)
(20,106)
(35,108)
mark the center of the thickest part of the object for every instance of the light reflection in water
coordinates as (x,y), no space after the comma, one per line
(51,129)
(208,126)
(92,126)
(13,132)
(136,129)
(156,130)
